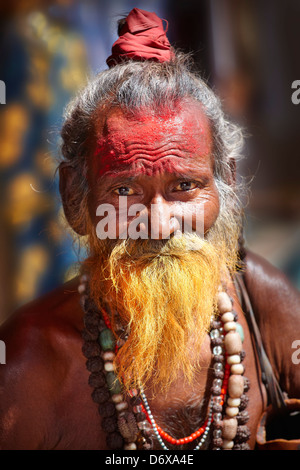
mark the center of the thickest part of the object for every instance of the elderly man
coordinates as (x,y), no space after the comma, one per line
(162,342)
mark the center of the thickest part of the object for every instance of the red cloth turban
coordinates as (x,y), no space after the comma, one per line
(142,37)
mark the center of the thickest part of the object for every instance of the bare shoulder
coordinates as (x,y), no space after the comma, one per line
(268,285)
(42,340)
(56,309)
(55,317)
(276,304)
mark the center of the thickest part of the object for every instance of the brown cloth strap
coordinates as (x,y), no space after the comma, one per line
(275,394)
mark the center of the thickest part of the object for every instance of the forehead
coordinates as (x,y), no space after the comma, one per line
(131,140)
(185,120)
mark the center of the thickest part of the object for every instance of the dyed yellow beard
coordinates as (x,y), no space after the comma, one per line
(165,291)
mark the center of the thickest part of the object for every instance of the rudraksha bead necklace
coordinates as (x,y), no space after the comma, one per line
(130,430)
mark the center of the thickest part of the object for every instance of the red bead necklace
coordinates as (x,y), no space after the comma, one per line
(201,430)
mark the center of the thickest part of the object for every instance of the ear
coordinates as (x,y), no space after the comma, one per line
(72,199)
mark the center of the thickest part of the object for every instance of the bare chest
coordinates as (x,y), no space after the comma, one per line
(180,412)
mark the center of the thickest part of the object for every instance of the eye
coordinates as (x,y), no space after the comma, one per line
(186,186)
(124,191)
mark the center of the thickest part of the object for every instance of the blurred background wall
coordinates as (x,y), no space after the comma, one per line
(247,51)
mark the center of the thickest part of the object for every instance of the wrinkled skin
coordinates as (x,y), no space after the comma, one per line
(155,161)
(45,397)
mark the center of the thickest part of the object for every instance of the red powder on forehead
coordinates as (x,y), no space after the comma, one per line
(142,143)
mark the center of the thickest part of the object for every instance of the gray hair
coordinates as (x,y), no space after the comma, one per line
(132,85)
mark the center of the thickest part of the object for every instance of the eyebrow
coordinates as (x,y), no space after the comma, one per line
(189,173)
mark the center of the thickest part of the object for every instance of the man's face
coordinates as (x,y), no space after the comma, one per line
(162,162)
(166,291)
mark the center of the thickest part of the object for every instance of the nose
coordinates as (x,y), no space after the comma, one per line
(161,219)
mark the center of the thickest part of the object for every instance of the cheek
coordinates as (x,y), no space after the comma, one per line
(211,212)
(212,208)
(114,220)
(205,212)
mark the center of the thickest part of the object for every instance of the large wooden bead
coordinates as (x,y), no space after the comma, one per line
(224,303)
(237,369)
(94,364)
(233,343)
(97,379)
(235,386)
(232,411)
(243,433)
(91,334)
(106,409)
(91,319)
(114,441)
(233,401)
(229,326)
(100,395)
(227,317)
(109,424)
(229,428)
(233,359)
(227,444)
(243,417)
(91,349)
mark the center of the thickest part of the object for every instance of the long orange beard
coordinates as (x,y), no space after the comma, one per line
(165,292)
